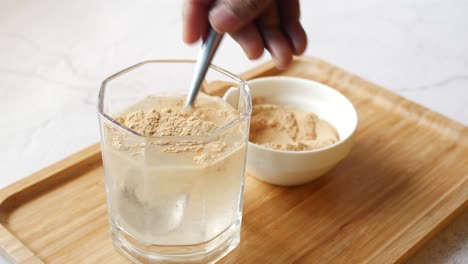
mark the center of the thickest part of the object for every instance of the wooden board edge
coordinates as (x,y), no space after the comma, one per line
(13,250)
(266,69)
(408,108)
(415,236)
(337,77)
(54,169)
(437,229)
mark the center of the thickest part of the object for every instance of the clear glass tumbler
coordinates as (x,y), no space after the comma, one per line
(168,206)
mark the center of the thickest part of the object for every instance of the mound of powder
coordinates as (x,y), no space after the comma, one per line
(166,122)
(288,128)
(165,116)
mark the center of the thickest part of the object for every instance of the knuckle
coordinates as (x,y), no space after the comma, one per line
(244,8)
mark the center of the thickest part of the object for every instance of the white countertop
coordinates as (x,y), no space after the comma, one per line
(54,54)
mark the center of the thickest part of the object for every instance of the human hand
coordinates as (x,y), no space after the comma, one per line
(255,24)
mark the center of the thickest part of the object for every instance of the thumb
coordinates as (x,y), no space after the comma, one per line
(228,16)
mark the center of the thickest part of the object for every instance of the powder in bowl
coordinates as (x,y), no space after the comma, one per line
(289,128)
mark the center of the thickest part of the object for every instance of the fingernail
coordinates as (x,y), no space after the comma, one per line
(280,64)
(277,62)
(275,58)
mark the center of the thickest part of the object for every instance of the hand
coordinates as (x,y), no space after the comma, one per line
(255,24)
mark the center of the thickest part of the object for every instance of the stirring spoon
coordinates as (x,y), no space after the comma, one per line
(205,57)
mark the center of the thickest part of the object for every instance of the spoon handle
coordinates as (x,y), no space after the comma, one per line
(207,53)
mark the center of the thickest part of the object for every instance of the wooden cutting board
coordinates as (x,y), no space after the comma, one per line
(406,177)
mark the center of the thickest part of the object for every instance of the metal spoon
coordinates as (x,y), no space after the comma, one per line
(207,53)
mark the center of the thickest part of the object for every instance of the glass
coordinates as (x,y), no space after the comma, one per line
(167,206)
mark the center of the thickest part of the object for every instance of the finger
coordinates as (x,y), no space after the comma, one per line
(250,40)
(228,16)
(195,19)
(290,15)
(275,40)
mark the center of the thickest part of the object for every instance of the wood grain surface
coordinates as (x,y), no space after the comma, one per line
(405,178)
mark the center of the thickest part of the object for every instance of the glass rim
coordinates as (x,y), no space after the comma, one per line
(242,86)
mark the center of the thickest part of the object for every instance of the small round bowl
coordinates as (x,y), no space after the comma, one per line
(288,168)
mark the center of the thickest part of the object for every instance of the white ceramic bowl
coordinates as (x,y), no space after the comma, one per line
(288,168)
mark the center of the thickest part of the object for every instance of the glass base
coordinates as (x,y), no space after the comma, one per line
(208,252)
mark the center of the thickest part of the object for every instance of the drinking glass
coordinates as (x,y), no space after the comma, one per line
(167,206)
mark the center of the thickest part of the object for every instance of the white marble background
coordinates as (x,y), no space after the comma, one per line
(53,55)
